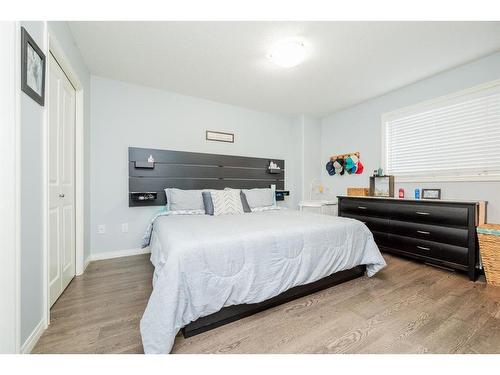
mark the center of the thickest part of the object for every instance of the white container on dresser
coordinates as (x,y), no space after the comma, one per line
(324,207)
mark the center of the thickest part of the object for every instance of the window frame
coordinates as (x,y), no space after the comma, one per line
(426,105)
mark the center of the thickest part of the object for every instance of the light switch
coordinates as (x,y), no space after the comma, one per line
(124,227)
(101,229)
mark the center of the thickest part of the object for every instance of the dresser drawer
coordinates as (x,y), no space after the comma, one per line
(373,223)
(447,235)
(381,239)
(436,250)
(365,208)
(431,214)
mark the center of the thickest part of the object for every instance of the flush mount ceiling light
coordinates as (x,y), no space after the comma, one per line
(288,53)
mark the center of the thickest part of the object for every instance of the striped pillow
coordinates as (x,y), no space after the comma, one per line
(226,202)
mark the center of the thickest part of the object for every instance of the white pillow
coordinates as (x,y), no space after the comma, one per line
(226,202)
(184,200)
(260,197)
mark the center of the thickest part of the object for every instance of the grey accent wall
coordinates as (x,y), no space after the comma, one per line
(63,34)
(126,115)
(32,118)
(358,128)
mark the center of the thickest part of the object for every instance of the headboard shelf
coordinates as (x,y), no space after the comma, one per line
(193,170)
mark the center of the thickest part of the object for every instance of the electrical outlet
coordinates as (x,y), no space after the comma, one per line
(101,229)
(124,227)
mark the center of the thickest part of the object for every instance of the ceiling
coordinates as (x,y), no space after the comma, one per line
(226,62)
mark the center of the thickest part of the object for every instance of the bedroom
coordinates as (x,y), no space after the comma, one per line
(251,187)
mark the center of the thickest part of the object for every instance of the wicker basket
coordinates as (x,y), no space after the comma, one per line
(489,243)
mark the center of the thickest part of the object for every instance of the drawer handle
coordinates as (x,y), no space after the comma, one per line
(423,232)
(422,213)
(362,207)
(423,248)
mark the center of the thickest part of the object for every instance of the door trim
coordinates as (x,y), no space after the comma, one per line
(55,49)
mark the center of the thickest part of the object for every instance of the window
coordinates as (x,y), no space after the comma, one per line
(456,137)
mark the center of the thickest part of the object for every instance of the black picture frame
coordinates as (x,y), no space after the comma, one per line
(433,192)
(28,42)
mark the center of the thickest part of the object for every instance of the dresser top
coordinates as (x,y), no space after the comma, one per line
(416,200)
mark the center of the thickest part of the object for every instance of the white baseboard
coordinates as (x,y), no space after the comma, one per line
(118,254)
(86,263)
(31,341)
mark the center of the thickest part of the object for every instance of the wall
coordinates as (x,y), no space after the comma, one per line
(124,115)
(358,128)
(306,155)
(32,182)
(32,130)
(9,187)
(62,33)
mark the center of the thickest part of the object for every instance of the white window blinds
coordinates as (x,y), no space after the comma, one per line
(454,136)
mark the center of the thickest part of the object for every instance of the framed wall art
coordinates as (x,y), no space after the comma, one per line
(32,68)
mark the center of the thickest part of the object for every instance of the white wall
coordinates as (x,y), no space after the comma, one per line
(32,183)
(358,128)
(126,115)
(306,155)
(32,130)
(9,188)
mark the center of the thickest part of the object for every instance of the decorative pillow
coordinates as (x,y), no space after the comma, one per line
(244,202)
(184,200)
(226,202)
(259,197)
(207,201)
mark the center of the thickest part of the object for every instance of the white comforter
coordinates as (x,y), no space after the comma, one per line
(203,263)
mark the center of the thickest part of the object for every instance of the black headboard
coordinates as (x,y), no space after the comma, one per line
(193,170)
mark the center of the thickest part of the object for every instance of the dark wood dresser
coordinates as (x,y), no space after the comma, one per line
(435,231)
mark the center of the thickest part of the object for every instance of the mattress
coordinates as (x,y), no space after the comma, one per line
(204,263)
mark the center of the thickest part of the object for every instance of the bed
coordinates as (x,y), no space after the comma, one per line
(209,265)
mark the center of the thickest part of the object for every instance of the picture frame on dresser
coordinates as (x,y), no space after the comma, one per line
(431,193)
(382,186)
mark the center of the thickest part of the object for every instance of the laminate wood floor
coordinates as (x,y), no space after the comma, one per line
(408,307)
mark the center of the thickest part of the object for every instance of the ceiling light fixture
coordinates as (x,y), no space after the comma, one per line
(288,53)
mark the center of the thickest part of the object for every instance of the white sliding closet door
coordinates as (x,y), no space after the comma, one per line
(61,172)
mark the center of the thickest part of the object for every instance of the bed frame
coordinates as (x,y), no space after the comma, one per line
(232,313)
(192,170)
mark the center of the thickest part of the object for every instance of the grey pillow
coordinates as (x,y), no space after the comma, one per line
(208,203)
(259,197)
(178,199)
(244,202)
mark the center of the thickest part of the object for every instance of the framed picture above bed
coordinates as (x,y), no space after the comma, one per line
(32,68)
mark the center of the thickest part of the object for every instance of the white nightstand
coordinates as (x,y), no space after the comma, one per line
(320,207)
